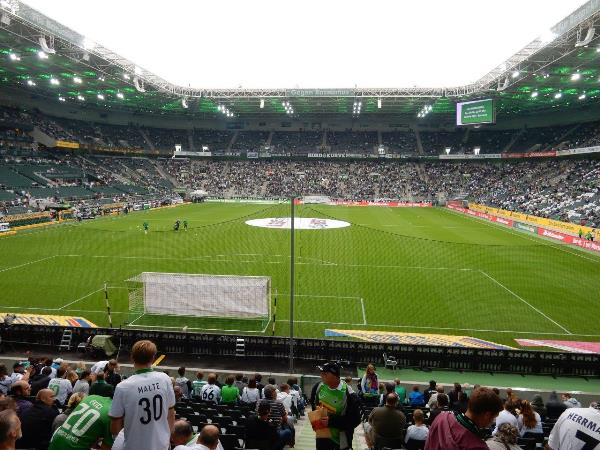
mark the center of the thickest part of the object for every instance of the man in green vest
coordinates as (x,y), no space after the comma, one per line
(342,406)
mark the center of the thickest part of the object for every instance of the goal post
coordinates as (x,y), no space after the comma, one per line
(199,301)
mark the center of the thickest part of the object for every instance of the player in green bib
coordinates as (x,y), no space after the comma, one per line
(342,406)
(146,226)
(85,426)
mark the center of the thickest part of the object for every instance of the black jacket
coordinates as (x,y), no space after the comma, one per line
(36,425)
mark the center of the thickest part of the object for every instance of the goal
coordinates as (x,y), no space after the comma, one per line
(199,301)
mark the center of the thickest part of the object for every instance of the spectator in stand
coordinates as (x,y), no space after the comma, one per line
(386,422)
(20,390)
(78,434)
(441,406)
(554,407)
(505,439)
(239,382)
(400,391)
(5,380)
(230,394)
(431,390)
(389,388)
(416,398)
(259,428)
(208,439)
(278,416)
(573,426)
(286,398)
(7,403)
(569,401)
(144,404)
(462,403)
(250,394)
(42,382)
(457,431)
(198,384)
(211,392)
(259,385)
(418,431)
(10,430)
(61,386)
(19,372)
(369,384)
(101,387)
(184,383)
(538,405)
(296,395)
(83,384)
(509,394)
(433,399)
(111,375)
(74,400)
(453,394)
(37,422)
(529,421)
(100,366)
(508,414)
(182,436)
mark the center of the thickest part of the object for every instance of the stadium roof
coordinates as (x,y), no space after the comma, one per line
(556,71)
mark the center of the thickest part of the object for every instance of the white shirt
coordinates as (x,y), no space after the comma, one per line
(250,395)
(62,388)
(15,376)
(119,441)
(144,400)
(574,428)
(418,433)
(81,386)
(286,399)
(98,367)
(5,385)
(196,447)
(505,417)
(211,393)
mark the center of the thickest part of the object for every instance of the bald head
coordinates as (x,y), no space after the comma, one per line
(46,396)
(10,428)
(182,433)
(209,437)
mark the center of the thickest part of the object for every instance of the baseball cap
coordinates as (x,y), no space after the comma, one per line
(330,367)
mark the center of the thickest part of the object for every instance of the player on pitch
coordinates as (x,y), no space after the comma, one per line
(144,404)
(146,226)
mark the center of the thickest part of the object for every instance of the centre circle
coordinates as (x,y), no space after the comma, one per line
(300,223)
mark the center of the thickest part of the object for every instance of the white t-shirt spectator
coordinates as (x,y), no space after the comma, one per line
(98,367)
(250,395)
(62,388)
(15,376)
(81,386)
(286,399)
(211,393)
(575,429)
(5,385)
(418,433)
(505,417)
(144,400)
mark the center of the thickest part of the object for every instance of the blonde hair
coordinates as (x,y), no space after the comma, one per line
(143,352)
(75,399)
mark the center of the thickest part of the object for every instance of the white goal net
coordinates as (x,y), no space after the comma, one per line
(200,295)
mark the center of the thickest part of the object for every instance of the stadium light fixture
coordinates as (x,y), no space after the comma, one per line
(61,98)
(582,96)
(534,94)
(77,80)
(558,95)
(184,103)
(356,107)
(378,103)
(515,74)
(575,76)
(120,95)
(262,103)
(100,97)
(126,76)
(30,83)
(14,57)
(476,150)
(54,82)
(101,79)
(448,150)
(42,55)
(81,98)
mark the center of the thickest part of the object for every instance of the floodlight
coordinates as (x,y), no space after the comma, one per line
(62,99)
(378,103)
(575,76)
(126,76)
(77,80)
(184,103)
(515,74)
(476,150)
(14,57)
(30,83)
(447,150)
(581,97)
(534,94)
(262,103)
(100,97)
(54,81)
(42,55)
(120,95)
(558,95)
(101,79)
(80,97)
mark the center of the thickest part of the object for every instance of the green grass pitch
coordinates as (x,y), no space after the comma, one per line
(427,270)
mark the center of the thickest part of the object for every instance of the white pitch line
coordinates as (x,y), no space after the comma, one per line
(364,314)
(525,301)
(136,319)
(537,240)
(28,263)
(81,298)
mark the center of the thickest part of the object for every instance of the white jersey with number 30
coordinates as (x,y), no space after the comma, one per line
(144,400)
(576,429)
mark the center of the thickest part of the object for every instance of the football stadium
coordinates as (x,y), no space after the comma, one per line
(242,202)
